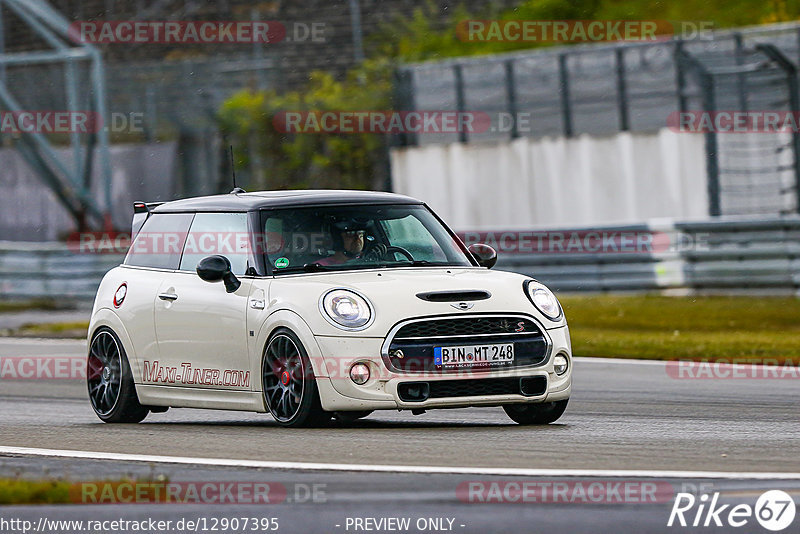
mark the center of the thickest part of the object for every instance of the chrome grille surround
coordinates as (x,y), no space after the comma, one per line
(462,336)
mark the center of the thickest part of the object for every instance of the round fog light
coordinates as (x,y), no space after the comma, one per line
(559,364)
(359,373)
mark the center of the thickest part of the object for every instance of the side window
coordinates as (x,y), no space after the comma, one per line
(160,241)
(217,233)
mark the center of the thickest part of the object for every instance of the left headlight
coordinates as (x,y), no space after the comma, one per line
(346,309)
(544,299)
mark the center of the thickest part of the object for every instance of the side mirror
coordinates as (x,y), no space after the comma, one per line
(485,254)
(216,268)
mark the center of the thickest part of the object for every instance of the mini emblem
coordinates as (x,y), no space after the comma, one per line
(463,305)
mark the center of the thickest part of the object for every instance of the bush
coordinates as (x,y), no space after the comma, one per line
(278,160)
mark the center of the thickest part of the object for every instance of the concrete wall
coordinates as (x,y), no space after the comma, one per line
(620,179)
(29,211)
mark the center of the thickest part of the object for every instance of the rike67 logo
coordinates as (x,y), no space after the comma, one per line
(774,510)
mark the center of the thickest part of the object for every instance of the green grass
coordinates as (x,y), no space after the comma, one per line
(61,491)
(75,329)
(25,305)
(667,328)
(646,327)
(21,491)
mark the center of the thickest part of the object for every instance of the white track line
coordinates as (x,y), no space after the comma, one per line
(626,361)
(304,466)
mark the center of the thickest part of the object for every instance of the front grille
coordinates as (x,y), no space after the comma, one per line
(474,387)
(463,326)
(412,347)
(528,386)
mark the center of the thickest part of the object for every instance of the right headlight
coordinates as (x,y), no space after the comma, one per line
(544,299)
(346,309)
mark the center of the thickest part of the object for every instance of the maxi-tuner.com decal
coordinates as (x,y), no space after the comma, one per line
(155,373)
(773,510)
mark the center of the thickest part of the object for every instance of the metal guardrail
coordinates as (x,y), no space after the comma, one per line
(51,270)
(753,254)
(726,255)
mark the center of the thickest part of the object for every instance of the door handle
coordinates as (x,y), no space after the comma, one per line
(168,296)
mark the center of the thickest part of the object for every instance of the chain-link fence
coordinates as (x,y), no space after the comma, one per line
(163,99)
(593,89)
(754,171)
(637,87)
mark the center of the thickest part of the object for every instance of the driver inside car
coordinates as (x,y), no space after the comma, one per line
(349,239)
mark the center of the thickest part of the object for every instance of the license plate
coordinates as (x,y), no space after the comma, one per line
(474,355)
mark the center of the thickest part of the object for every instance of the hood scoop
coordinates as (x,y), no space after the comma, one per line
(455,296)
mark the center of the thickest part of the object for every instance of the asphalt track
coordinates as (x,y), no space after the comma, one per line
(627,421)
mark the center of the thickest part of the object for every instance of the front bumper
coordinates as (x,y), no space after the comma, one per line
(339,393)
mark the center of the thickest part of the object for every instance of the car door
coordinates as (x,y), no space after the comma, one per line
(153,256)
(201,329)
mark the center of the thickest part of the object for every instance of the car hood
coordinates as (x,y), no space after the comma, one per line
(393,295)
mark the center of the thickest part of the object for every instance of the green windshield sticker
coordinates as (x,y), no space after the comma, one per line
(280,263)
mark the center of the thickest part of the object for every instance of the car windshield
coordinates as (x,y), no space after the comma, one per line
(357,237)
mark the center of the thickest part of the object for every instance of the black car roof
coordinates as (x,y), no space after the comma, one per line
(276,199)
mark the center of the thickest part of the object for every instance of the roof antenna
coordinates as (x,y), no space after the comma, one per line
(235,189)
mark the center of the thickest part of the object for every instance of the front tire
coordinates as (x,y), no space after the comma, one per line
(536,414)
(112,392)
(287,378)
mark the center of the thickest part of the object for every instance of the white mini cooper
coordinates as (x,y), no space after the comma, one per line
(314,305)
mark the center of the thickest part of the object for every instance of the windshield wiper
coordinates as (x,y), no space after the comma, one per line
(425,263)
(307,268)
(318,267)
